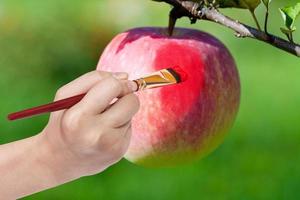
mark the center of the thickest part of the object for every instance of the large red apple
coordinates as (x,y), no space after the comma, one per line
(184,122)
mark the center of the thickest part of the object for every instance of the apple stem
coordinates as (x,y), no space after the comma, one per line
(176,13)
(172,21)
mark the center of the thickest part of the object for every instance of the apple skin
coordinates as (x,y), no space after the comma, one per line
(184,122)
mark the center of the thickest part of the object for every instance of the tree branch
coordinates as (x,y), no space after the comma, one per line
(186,8)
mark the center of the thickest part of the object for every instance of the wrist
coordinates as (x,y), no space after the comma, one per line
(55,160)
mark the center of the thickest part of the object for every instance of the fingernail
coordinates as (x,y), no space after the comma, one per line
(120,75)
(132,86)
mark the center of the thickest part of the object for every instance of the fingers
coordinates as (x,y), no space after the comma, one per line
(122,147)
(115,143)
(102,94)
(113,137)
(82,85)
(121,112)
(85,83)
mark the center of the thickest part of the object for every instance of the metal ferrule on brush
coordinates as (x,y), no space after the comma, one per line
(161,78)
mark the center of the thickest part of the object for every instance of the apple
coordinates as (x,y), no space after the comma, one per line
(184,122)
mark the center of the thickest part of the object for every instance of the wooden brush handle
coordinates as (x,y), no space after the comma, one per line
(51,107)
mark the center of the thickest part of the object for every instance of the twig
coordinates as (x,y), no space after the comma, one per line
(185,8)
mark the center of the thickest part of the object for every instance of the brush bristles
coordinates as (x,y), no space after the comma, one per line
(178,74)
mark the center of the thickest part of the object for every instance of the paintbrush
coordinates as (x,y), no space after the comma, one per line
(164,77)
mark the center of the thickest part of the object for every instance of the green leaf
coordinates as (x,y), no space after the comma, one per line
(289,15)
(287,31)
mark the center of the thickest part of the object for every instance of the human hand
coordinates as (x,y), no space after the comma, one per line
(93,134)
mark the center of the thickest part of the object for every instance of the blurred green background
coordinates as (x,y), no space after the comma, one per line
(45,44)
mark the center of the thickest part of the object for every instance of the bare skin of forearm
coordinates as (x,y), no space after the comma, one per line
(28,166)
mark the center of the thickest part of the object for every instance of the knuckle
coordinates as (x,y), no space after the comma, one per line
(99,74)
(114,83)
(60,92)
(71,121)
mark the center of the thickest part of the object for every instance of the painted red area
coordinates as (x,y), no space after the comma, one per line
(182,74)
